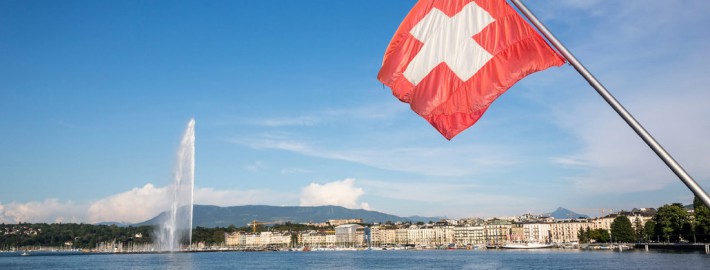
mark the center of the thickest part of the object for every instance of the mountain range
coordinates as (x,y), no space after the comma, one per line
(216,216)
(562,213)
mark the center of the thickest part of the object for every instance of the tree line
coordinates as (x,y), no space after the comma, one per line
(86,236)
(69,235)
(672,224)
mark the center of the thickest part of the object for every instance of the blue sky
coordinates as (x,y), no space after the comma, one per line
(94,96)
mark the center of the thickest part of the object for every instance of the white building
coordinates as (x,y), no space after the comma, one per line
(469,235)
(382,236)
(235,239)
(347,235)
(317,239)
(567,231)
(497,231)
(261,239)
(536,232)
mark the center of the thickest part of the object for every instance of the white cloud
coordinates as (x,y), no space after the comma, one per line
(49,210)
(135,205)
(141,204)
(341,193)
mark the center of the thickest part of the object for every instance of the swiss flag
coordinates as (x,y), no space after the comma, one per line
(450,59)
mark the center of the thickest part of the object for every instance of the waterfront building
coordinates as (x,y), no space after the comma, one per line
(469,235)
(497,231)
(467,232)
(367,237)
(261,239)
(375,235)
(443,235)
(268,239)
(603,222)
(530,233)
(318,239)
(330,239)
(382,236)
(360,236)
(401,236)
(347,235)
(235,239)
(567,231)
(421,236)
(428,235)
(415,236)
(639,215)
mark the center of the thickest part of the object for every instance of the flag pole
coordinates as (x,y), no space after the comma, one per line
(609,98)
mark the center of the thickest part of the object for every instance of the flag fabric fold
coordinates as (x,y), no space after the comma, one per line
(450,59)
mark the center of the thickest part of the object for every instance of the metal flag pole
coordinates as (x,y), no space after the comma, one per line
(635,125)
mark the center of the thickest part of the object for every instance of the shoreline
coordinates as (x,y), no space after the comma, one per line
(683,247)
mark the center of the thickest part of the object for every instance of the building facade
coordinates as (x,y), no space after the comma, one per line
(567,231)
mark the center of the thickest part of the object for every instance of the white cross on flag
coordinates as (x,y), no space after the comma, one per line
(450,59)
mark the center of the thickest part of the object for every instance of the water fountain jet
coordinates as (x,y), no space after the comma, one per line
(176,226)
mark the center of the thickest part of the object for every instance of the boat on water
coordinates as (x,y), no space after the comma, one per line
(530,245)
(25,254)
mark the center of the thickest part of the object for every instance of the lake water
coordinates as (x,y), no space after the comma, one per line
(403,259)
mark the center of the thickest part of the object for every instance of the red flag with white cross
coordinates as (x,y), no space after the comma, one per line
(450,59)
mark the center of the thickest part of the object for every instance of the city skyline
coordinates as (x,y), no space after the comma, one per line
(289,111)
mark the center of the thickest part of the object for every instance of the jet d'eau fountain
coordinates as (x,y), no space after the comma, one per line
(175,230)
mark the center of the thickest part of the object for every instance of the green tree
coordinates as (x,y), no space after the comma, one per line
(582,236)
(638,229)
(649,230)
(78,235)
(621,230)
(687,230)
(670,220)
(702,221)
(599,235)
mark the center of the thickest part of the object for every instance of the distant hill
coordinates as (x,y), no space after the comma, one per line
(216,216)
(109,223)
(562,213)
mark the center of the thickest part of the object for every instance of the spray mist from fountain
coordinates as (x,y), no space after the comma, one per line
(175,230)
